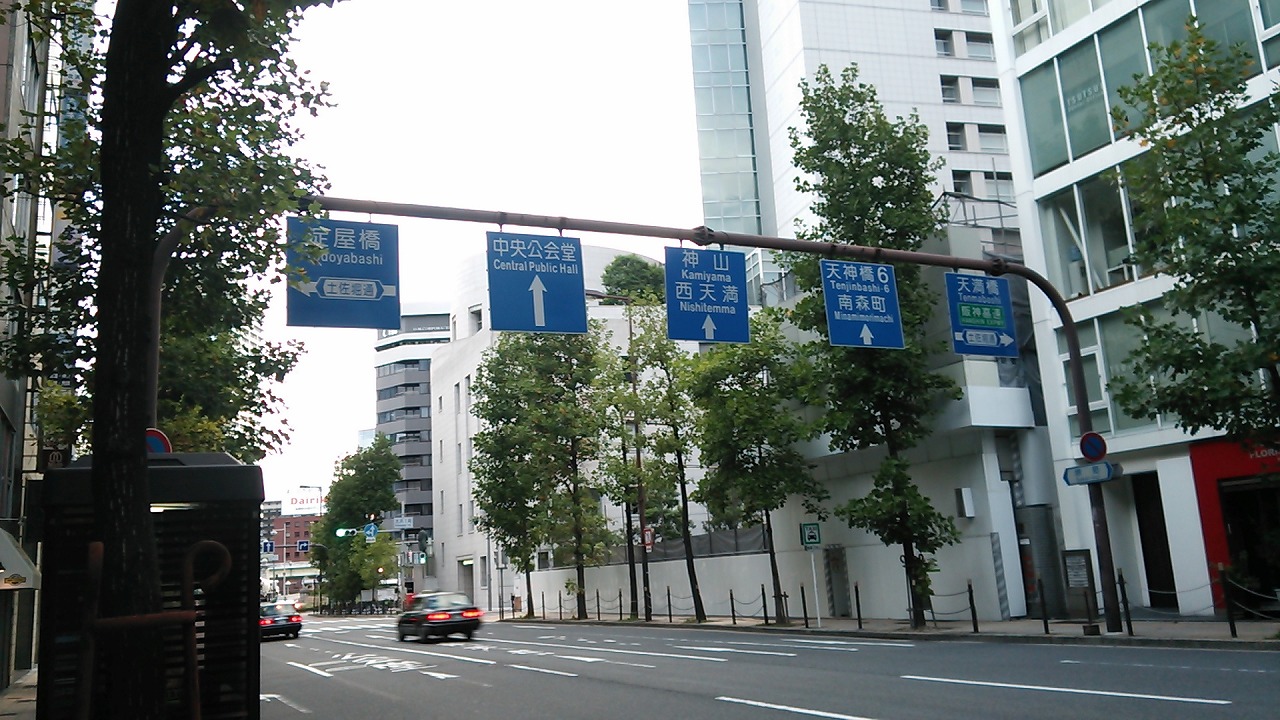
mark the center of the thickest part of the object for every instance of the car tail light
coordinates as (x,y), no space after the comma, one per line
(438,616)
(472,613)
(295,618)
(264,621)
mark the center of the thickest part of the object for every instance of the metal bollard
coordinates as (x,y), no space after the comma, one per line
(669,618)
(544,604)
(1124,602)
(973,609)
(1226,597)
(619,604)
(1044,607)
(560,603)
(597,603)
(764,604)
(804,607)
(857,602)
(733,613)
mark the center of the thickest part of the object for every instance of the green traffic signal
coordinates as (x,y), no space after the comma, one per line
(343,532)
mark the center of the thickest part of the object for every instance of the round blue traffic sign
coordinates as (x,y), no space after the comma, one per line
(1093,446)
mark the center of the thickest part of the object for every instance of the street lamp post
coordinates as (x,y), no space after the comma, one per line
(640,490)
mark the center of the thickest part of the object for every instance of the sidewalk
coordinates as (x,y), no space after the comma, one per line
(18,701)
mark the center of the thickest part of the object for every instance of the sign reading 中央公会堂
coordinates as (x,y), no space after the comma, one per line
(536,283)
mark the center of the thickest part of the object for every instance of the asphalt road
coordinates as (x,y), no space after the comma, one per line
(347,668)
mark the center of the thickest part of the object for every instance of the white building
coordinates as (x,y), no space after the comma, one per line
(1184,504)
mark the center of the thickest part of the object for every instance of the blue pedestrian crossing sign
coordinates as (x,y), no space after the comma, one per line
(536,283)
(862,305)
(354,283)
(706,296)
(304,546)
(981,315)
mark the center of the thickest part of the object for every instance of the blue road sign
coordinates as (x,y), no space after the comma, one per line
(371,532)
(268,546)
(707,295)
(535,283)
(304,546)
(1090,473)
(355,281)
(981,315)
(1093,446)
(862,305)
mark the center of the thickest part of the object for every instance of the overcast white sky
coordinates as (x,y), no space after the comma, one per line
(579,108)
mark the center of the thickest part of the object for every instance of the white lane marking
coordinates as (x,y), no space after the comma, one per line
(438,676)
(582,659)
(459,658)
(734,650)
(284,700)
(544,670)
(1169,667)
(791,709)
(853,642)
(796,647)
(612,650)
(308,668)
(1074,691)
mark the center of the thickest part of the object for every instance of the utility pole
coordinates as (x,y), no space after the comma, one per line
(706,236)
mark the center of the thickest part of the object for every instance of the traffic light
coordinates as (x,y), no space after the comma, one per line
(344,532)
(423,540)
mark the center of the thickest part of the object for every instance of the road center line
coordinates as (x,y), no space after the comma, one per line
(459,658)
(308,668)
(544,670)
(579,648)
(734,650)
(1074,691)
(791,709)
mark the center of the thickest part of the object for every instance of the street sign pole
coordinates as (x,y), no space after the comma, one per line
(705,236)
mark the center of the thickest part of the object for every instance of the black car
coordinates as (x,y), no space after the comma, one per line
(278,619)
(439,614)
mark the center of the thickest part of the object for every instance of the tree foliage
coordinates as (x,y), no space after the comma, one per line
(871,180)
(747,434)
(362,492)
(1206,214)
(540,397)
(634,277)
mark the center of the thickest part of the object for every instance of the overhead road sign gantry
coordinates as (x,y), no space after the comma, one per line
(705,236)
(706,295)
(862,305)
(536,283)
(981,311)
(355,281)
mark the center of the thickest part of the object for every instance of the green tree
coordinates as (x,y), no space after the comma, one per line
(634,277)
(871,179)
(747,437)
(1207,215)
(362,492)
(184,118)
(669,412)
(565,379)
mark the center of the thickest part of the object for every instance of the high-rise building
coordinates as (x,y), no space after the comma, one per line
(404,416)
(1184,503)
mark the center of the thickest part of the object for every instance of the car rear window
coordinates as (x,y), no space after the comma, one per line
(444,601)
(273,610)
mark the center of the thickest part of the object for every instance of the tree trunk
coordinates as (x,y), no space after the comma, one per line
(528,590)
(779,607)
(136,98)
(911,564)
(699,612)
(579,558)
(631,562)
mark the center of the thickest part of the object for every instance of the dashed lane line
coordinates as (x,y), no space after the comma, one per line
(1073,691)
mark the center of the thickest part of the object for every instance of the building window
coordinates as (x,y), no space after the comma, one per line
(961,182)
(991,138)
(477,319)
(457,398)
(942,42)
(986,92)
(941,5)
(999,186)
(1088,126)
(955,136)
(950,89)
(980,46)
(1043,111)
(974,7)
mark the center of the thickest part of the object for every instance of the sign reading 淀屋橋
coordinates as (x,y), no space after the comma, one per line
(353,282)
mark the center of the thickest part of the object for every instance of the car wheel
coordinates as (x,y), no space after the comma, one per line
(423,636)
(296,633)
(468,634)
(400,636)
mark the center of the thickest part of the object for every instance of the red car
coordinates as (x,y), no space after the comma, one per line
(439,614)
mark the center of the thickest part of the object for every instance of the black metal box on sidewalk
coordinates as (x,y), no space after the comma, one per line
(194,496)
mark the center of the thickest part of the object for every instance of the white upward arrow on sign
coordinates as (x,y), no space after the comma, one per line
(709,327)
(539,312)
(866,335)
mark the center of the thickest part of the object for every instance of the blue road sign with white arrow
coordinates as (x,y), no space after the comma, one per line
(981,315)
(355,281)
(706,296)
(304,546)
(535,283)
(862,305)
